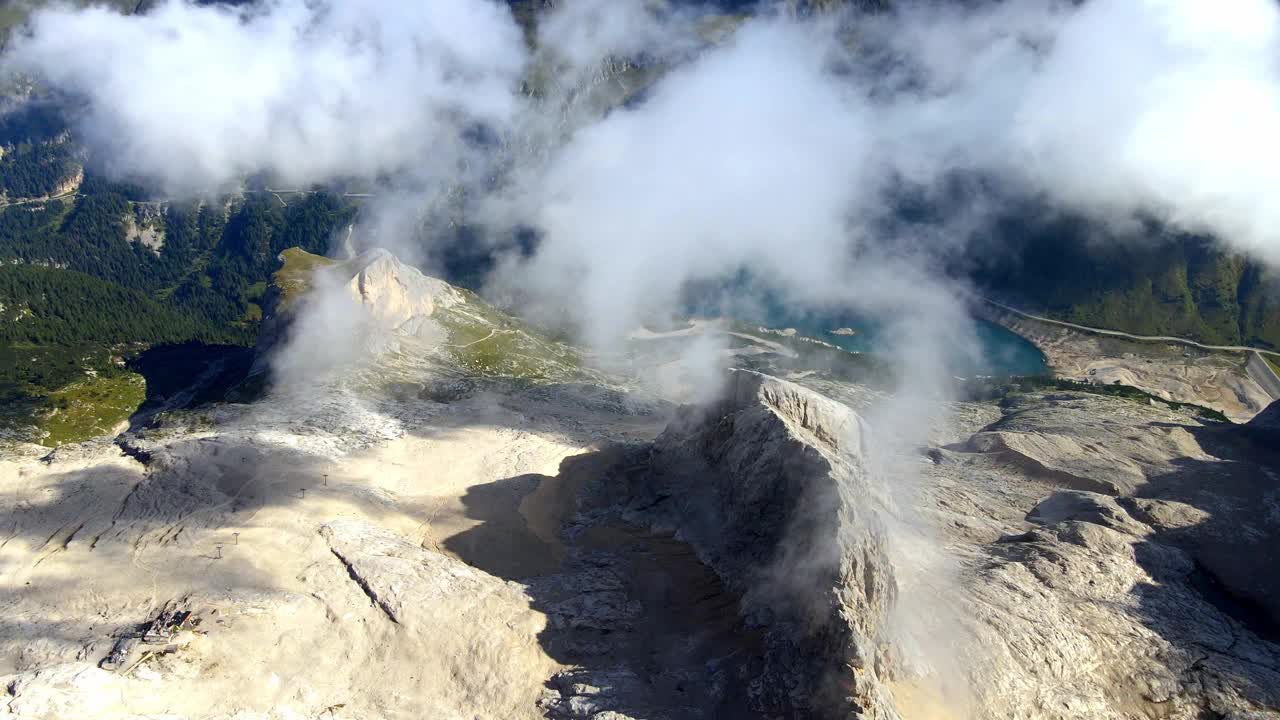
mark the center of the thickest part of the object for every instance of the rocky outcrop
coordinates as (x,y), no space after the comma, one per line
(144,224)
(396,296)
(771,487)
(70,185)
(1091,615)
(1149,599)
(1061,457)
(375,313)
(376,294)
(412,586)
(402,554)
(479,628)
(1069,442)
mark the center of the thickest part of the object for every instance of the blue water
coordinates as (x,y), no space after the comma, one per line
(1002,353)
(1006,353)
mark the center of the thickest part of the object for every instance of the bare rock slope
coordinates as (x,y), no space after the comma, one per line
(771,487)
(1141,583)
(538,542)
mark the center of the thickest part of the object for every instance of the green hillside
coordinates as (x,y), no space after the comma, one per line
(89,282)
(45,306)
(1163,284)
(207,259)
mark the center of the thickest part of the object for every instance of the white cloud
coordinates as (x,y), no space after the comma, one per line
(1164,106)
(752,156)
(1113,107)
(197,97)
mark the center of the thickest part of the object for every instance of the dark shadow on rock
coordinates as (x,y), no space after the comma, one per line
(649,630)
(1216,546)
(1218,654)
(188,375)
(1225,514)
(193,489)
(111,515)
(503,544)
(53,634)
(1204,531)
(184,491)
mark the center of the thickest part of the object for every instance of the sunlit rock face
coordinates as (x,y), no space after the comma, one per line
(396,296)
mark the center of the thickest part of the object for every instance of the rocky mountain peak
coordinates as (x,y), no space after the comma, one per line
(397,296)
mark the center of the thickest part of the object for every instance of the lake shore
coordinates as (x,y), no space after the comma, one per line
(1217,380)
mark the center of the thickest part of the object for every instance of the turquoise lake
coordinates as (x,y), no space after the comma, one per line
(1003,353)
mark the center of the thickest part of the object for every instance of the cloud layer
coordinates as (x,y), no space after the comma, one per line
(777,154)
(747,158)
(1115,108)
(196,97)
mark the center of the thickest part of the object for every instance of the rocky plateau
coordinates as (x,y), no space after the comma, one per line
(471,524)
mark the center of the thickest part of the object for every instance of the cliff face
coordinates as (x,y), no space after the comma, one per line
(771,486)
(1126,571)
(390,298)
(396,297)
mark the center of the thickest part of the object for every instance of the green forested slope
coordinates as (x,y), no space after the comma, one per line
(37,155)
(42,305)
(80,293)
(15,12)
(31,170)
(216,256)
(1160,284)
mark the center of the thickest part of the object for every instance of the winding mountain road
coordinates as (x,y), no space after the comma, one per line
(1130,336)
